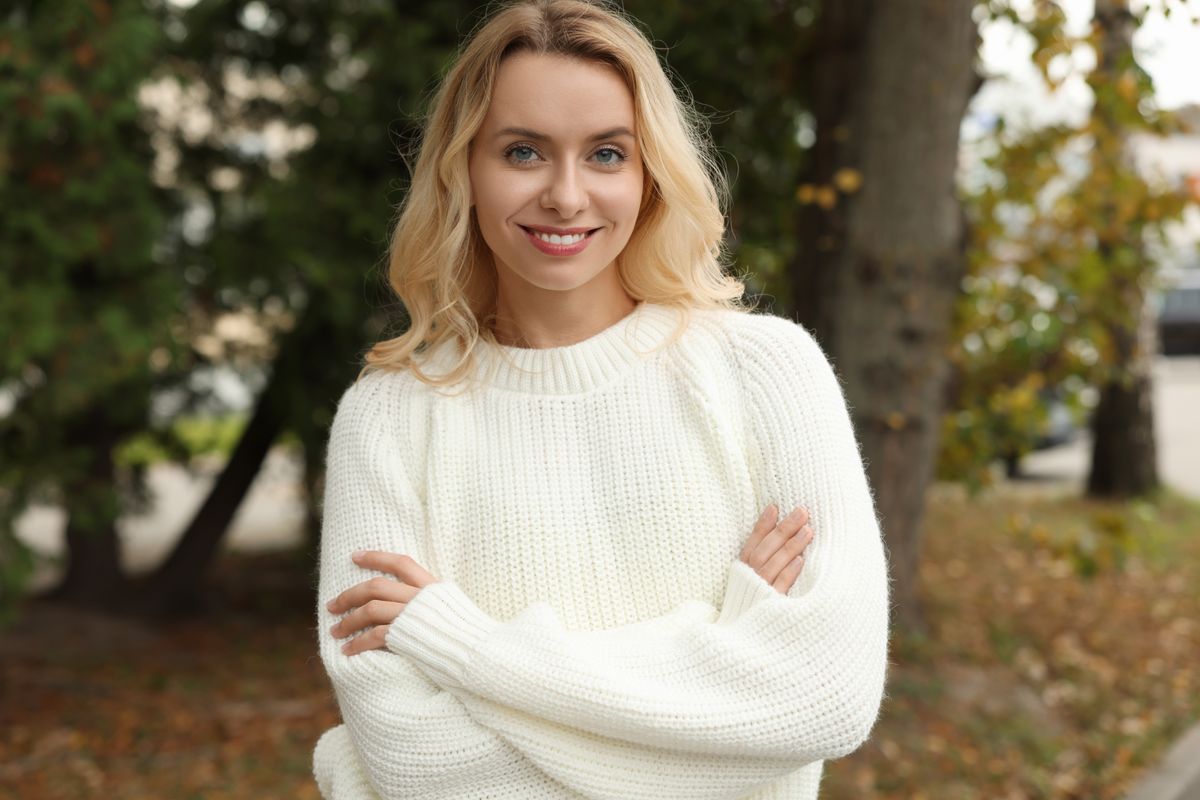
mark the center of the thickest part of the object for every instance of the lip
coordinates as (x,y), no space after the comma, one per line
(558,249)
(559,231)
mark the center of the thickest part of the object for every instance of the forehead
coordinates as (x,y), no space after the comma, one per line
(558,95)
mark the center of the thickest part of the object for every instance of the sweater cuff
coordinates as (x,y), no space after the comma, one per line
(743,588)
(439,629)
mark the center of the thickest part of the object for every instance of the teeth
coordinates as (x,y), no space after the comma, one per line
(554,238)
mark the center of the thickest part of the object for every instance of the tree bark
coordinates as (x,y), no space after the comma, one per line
(878,266)
(1124,451)
(1124,448)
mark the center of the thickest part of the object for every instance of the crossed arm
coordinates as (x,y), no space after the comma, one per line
(700,702)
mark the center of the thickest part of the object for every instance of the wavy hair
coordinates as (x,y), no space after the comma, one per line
(438,263)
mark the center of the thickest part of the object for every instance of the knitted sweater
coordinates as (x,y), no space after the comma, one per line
(594,633)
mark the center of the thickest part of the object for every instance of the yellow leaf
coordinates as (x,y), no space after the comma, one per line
(848,180)
(1127,86)
(826,197)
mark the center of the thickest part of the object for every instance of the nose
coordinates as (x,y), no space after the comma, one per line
(566,191)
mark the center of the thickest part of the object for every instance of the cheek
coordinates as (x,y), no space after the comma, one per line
(500,195)
(622,198)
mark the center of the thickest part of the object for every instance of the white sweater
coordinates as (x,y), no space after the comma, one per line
(594,633)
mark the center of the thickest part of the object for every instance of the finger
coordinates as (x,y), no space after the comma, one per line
(762,526)
(783,557)
(379,587)
(374,639)
(778,535)
(402,565)
(374,612)
(787,578)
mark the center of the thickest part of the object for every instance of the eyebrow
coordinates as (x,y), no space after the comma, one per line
(531,134)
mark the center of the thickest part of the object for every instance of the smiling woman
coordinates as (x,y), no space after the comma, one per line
(639,560)
(556,118)
(556,186)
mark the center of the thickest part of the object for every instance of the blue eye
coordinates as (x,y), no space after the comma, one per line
(514,149)
(618,156)
(616,159)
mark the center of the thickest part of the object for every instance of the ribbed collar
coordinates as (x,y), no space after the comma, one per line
(581,366)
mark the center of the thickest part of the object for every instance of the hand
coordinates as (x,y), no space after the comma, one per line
(776,547)
(375,603)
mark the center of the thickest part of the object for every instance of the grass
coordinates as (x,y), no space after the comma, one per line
(1061,661)
(195,435)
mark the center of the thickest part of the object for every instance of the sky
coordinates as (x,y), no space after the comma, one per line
(1169,49)
(1166,47)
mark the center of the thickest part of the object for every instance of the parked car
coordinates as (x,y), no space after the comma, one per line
(1179,316)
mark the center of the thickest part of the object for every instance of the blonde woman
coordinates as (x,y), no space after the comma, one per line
(568,538)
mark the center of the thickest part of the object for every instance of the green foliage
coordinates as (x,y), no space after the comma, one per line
(1057,263)
(184,439)
(84,299)
(744,65)
(132,231)
(304,233)
(109,292)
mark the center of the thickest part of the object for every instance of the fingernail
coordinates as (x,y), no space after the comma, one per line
(357,554)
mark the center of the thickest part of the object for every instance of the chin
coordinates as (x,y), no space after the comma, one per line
(562,278)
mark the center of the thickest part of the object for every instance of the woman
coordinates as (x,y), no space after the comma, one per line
(551,583)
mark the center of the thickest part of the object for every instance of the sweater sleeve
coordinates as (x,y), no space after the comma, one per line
(792,679)
(403,735)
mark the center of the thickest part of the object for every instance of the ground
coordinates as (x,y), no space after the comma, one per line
(1063,658)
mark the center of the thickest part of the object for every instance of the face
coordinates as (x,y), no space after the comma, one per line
(556,154)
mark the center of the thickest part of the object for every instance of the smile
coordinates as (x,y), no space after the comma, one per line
(556,245)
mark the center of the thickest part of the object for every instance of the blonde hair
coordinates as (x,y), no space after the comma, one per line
(438,263)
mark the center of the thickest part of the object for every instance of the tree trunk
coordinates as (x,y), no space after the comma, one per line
(314,490)
(1124,450)
(878,266)
(93,575)
(176,587)
(1124,453)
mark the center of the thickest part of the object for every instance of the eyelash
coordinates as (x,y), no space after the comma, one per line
(612,164)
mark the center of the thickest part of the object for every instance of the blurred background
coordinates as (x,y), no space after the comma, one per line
(987,212)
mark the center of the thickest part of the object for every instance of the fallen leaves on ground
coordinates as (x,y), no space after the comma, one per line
(1034,681)
(1041,675)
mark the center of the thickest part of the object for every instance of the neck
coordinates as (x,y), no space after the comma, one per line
(557,321)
